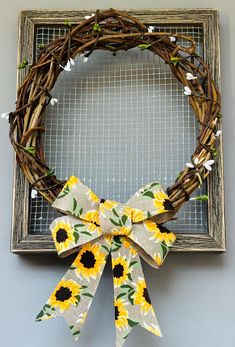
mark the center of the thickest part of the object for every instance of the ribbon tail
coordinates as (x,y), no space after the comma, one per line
(131,299)
(73,295)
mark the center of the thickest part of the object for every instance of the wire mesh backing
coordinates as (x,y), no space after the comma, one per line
(121,122)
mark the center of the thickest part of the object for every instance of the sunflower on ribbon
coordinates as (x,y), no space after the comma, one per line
(94,228)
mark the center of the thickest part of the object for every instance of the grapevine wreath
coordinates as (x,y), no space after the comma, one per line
(111,30)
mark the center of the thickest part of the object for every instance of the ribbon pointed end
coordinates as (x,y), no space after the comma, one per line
(47,312)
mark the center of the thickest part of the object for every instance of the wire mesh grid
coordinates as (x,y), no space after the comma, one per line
(120,123)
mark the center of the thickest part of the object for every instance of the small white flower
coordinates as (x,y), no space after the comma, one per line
(187,90)
(33,193)
(190,76)
(53,101)
(71,61)
(172,38)
(190,165)
(150,29)
(88,17)
(208,164)
(218,133)
(85,59)
(5,115)
(67,67)
(196,162)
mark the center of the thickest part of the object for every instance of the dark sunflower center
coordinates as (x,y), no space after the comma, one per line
(146,296)
(167,205)
(88,259)
(102,201)
(163,229)
(118,271)
(63,294)
(61,235)
(116,313)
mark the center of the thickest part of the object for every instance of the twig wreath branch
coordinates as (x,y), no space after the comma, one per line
(113,30)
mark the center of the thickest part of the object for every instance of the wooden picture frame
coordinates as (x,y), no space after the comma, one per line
(213,241)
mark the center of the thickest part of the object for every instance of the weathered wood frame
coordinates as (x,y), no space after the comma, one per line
(213,241)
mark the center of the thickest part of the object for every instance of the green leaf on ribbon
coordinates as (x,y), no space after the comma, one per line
(88,295)
(76,333)
(130,297)
(114,222)
(105,247)
(76,236)
(124,219)
(80,212)
(78,299)
(126,286)
(117,240)
(75,204)
(40,315)
(149,194)
(129,276)
(165,250)
(120,295)
(86,233)
(78,226)
(116,248)
(64,192)
(115,212)
(154,184)
(132,323)
(47,311)
(133,263)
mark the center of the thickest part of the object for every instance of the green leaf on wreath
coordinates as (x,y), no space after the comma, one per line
(144,46)
(97,27)
(175,60)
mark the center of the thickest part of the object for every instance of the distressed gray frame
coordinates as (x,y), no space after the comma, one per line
(213,241)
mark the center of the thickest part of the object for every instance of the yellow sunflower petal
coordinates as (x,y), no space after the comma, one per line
(121,314)
(141,297)
(121,270)
(89,261)
(62,234)
(65,295)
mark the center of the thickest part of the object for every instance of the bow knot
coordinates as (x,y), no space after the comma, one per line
(113,219)
(95,228)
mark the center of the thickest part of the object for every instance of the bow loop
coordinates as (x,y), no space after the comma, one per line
(151,201)
(78,200)
(113,220)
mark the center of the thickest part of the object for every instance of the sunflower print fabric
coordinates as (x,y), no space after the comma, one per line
(94,228)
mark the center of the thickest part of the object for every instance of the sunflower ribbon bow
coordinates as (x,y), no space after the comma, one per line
(94,228)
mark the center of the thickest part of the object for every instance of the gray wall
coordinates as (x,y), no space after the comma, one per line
(193,294)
